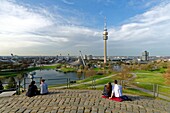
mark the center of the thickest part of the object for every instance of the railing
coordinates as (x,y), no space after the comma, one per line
(22,86)
(67,81)
(13,86)
(163,90)
(93,83)
(51,82)
(25,82)
(155,89)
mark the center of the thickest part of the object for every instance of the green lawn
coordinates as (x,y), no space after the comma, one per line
(98,69)
(147,79)
(65,70)
(91,78)
(153,78)
(161,70)
(104,81)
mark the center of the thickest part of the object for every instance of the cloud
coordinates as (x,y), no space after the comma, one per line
(27,28)
(153,24)
(143,3)
(147,31)
(68,2)
(39,31)
(19,19)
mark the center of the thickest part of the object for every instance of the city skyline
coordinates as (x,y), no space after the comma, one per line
(66,26)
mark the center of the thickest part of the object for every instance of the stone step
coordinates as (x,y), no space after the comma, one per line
(80,101)
(7,94)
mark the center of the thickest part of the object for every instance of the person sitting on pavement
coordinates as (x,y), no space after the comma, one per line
(116,91)
(1,87)
(32,90)
(108,89)
(43,87)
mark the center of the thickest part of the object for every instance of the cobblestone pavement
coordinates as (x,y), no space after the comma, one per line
(80,101)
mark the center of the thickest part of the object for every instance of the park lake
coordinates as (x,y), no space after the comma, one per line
(52,77)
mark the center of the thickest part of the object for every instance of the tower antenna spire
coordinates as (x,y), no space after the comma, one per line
(105,24)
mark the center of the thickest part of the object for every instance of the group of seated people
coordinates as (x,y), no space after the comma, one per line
(33,90)
(114,91)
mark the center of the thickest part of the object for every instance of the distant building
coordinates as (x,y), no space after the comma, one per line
(85,57)
(78,62)
(145,56)
(90,57)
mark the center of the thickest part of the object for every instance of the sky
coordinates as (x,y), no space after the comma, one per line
(54,27)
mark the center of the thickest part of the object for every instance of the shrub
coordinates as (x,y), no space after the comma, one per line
(11,83)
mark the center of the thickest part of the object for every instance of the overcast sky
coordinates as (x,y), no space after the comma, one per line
(53,27)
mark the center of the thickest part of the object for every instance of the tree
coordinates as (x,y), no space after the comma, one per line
(86,68)
(11,83)
(125,72)
(167,76)
(24,66)
(90,73)
(79,75)
(110,67)
(81,67)
(20,75)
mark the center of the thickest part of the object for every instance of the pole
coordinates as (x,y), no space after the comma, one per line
(153,90)
(67,83)
(32,78)
(24,84)
(94,84)
(123,83)
(19,87)
(157,90)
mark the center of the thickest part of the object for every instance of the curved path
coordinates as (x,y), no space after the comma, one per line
(80,101)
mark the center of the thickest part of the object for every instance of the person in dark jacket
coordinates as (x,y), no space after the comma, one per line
(32,89)
(1,87)
(107,90)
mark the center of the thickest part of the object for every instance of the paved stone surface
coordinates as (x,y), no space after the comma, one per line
(80,101)
(7,94)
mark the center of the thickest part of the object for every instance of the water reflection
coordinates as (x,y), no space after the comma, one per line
(51,75)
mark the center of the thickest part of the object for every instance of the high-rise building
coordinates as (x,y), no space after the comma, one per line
(145,56)
(105,37)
